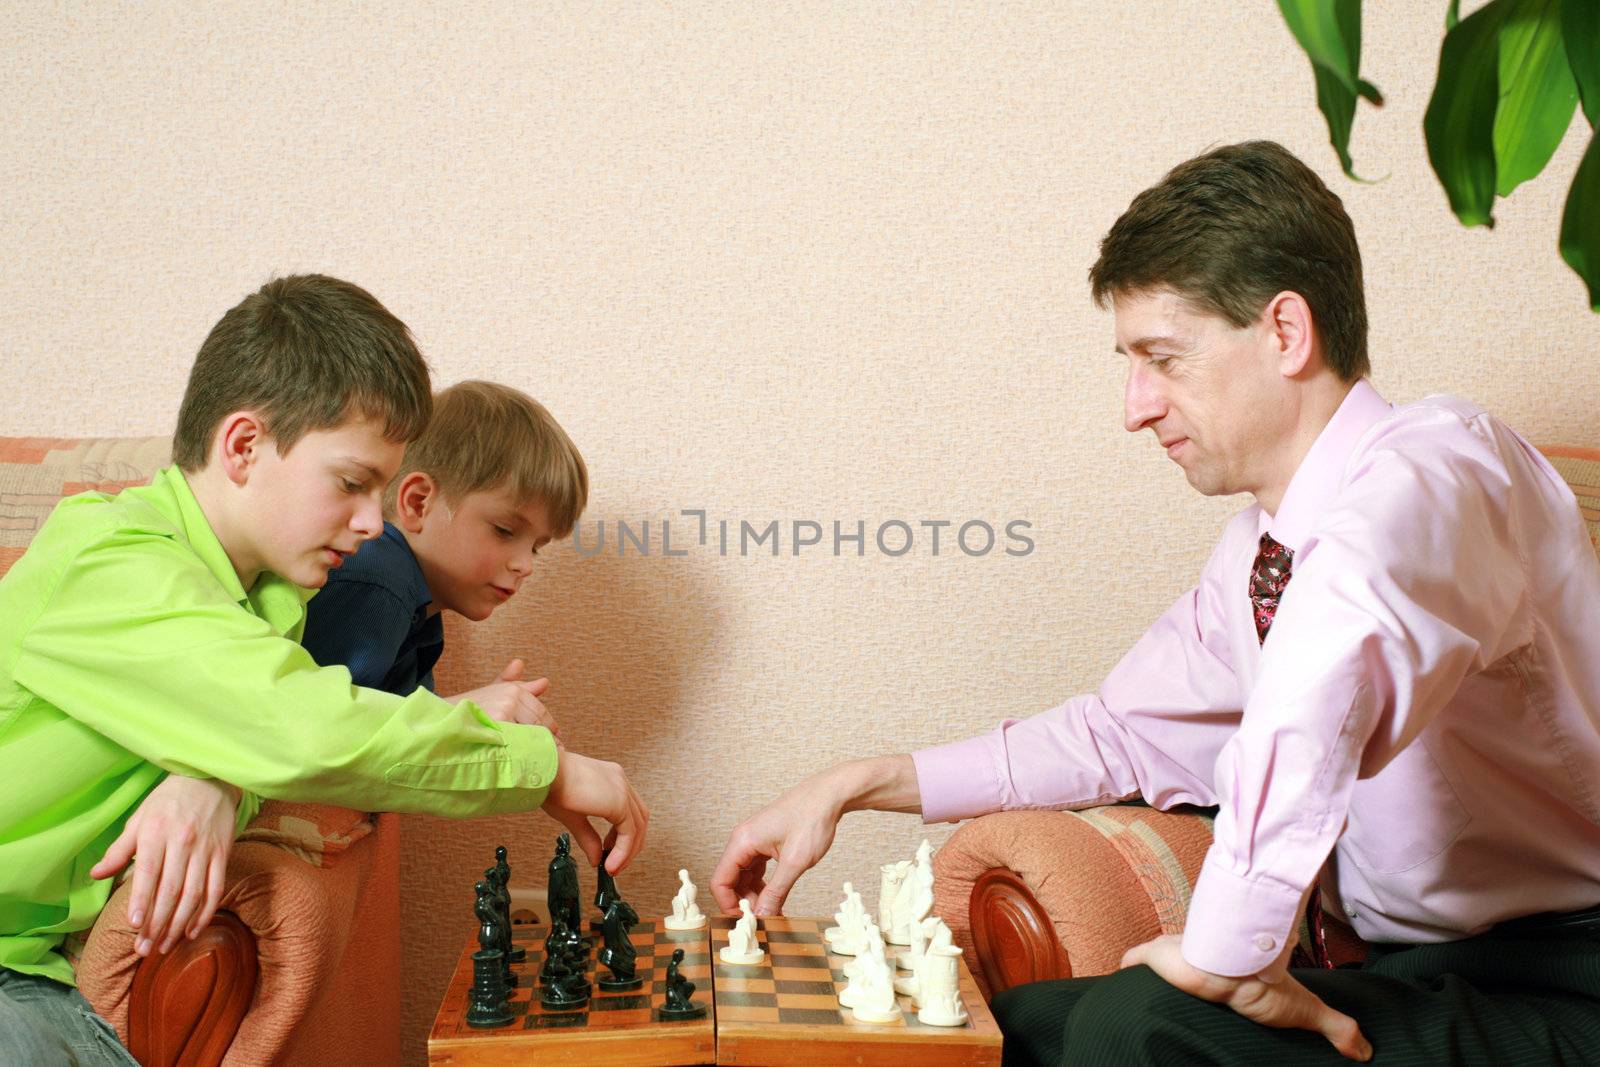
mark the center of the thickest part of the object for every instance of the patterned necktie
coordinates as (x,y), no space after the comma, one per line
(1268,578)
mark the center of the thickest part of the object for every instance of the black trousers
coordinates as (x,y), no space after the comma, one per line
(1519,994)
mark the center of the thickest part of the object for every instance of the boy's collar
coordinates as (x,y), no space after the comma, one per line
(203,540)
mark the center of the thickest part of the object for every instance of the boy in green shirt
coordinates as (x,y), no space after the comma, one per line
(155,632)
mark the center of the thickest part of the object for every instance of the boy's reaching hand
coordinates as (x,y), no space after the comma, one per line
(179,840)
(510,699)
(585,787)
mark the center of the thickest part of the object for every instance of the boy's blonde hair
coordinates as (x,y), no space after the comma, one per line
(485,436)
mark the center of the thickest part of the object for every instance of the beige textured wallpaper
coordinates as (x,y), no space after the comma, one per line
(773,261)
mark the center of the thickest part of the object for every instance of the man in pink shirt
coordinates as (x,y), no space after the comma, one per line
(1387,680)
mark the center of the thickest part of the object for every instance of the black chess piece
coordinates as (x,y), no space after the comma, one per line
(679,991)
(605,890)
(503,869)
(502,901)
(487,999)
(619,954)
(490,934)
(563,896)
(567,988)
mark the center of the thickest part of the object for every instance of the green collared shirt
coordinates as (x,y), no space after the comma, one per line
(129,649)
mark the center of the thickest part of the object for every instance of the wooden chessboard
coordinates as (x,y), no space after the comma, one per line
(616,1029)
(786,1009)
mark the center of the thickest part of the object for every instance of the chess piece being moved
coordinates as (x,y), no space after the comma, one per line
(679,991)
(686,914)
(619,954)
(743,949)
(516,953)
(939,993)
(486,1001)
(605,891)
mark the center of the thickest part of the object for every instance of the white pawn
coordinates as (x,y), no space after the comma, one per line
(940,999)
(842,918)
(742,948)
(686,914)
(876,1004)
(856,920)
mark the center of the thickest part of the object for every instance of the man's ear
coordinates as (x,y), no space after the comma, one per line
(240,443)
(1292,332)
(414,500)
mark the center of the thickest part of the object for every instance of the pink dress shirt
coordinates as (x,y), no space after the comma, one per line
(1426,707)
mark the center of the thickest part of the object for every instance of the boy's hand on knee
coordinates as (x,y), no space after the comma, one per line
(179,840)
(1284,1003)
(587,787)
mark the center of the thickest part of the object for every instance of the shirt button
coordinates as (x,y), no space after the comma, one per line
(1350,911)
(1265,943)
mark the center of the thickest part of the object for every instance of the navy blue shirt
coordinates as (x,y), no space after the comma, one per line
(372,617)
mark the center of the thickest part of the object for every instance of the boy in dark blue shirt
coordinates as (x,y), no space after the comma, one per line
(492,480)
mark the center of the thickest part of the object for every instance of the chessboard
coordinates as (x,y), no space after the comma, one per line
(785,1009)
(617,1029)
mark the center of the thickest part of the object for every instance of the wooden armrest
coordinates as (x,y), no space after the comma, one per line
(186,1006)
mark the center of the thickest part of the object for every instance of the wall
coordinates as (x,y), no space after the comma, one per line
(774,261)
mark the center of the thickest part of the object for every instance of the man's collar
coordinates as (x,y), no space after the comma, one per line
(1319,475)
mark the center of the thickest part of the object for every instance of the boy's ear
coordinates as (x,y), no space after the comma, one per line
(414,500)
(241,437)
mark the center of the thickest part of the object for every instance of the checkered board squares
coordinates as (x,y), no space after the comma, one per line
(614,1028)
(768,1011)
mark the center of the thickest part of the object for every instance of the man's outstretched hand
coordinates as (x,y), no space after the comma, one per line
(1284,1003)
(796,830)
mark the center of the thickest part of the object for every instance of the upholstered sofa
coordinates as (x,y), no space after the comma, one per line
(1033,895)
(302,961)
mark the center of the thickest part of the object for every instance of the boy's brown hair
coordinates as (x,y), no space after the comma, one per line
(306,352)
(1232,228)
(483,436)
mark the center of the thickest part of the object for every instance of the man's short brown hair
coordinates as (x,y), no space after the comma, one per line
(1229,230)
(305,352)
(487,436)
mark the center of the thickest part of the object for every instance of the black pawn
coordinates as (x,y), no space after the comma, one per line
(679,991)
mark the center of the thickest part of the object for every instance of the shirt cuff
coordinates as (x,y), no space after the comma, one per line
(1237,927)
(958,780)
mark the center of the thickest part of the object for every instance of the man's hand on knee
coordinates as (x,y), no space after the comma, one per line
(1282,1003)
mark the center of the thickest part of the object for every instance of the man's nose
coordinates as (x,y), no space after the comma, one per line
(1142,401)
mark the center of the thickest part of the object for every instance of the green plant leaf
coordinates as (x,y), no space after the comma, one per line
(1580,28)
(1459,123)
(1330,33)
(1537,93)
(1580,222)
(1452,15)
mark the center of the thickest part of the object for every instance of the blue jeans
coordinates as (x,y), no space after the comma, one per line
(46,1023)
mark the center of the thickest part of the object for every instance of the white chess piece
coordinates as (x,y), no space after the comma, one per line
(686,914)
(742,948)
(876,1003)
(856,919)
(869,946)
(940,988)
(894,876)
(915,901)
(842,918)
(911,960)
